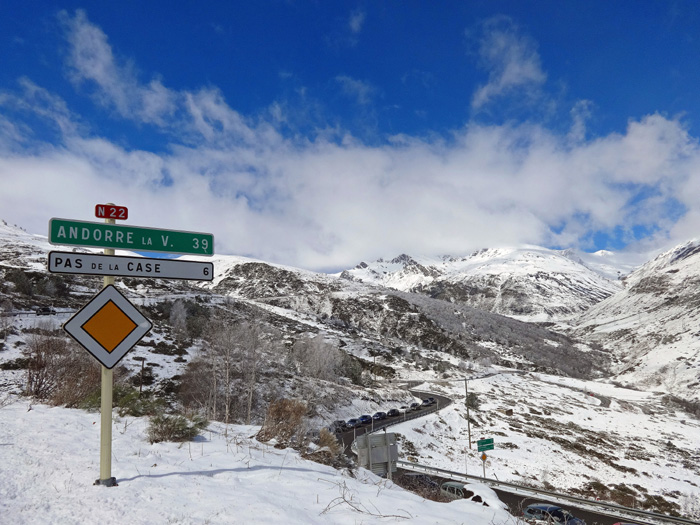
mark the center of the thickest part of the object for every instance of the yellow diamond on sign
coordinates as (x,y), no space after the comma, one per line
(109,326)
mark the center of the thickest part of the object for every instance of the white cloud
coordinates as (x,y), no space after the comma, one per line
(323,203)
(116,86)
(357,20)
(326,205)
(511,60)
(580,113)
(361,91)
(37,100)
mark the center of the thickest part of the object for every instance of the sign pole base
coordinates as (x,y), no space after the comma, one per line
(110,482)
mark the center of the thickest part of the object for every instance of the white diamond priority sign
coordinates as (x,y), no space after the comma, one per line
(108,326)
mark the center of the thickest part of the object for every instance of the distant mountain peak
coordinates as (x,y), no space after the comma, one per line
(685,251)
(403,259)
(528,282)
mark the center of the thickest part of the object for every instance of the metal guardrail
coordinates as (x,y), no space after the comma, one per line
(623,512)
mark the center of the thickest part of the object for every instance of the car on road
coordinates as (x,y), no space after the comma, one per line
(45,310)
(365,419)
(474,492)
(415,406)
(353,423)
(379,416)
(403,409)
(338,426)
(393,412)
(427,402)
(546,513)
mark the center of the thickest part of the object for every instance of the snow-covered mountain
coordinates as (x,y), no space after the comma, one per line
(653,325)
(581,428)
(528,283)
(368,318)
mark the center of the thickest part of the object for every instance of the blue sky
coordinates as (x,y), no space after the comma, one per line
(320,134)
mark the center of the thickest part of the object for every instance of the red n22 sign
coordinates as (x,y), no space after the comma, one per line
(110,211)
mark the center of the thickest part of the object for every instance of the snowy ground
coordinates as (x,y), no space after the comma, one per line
(565,433)
(49,460)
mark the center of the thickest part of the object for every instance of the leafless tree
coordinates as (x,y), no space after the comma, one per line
(178,320)
(228,368)
(252,339)
(5,317)
(223,357)
(317,358)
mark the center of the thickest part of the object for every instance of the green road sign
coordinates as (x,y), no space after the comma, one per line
(485,444)
(133,238)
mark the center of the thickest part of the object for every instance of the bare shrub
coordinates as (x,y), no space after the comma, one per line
(330,451)
(44,355)
(327,441)
(285,422)
(420,484)
(79,376)
(60,372)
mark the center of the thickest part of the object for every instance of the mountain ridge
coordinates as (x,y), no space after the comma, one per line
(529,283)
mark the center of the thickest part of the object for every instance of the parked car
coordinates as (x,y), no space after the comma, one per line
(45,310)
(452,490)
(379,415)
(365,419)
(541,513)
(415,406)
(474,492)
(338,426)
(393,412)
(353,423)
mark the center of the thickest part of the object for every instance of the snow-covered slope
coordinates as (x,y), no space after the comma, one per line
(395,336)
(20,249)
(653,325)
(50,459)
(529,283)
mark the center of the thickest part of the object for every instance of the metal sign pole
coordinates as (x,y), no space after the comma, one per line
(466,402)
(106,406)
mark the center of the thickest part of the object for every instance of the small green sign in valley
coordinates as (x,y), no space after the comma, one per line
(485,444)
(133,238)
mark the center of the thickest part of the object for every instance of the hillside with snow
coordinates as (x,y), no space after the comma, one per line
(582,421)
(527,283)
(48,463)
(652,326)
